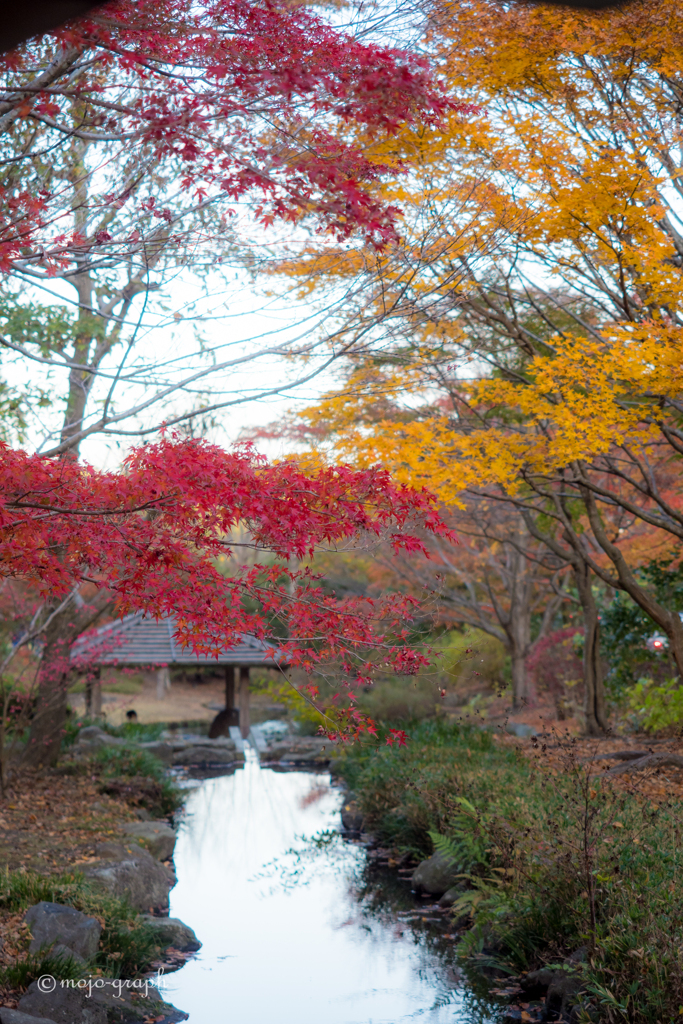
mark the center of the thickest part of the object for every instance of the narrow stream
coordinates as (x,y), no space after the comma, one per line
(296,937)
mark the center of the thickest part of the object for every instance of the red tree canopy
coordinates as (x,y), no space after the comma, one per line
(156,537)
(222,100)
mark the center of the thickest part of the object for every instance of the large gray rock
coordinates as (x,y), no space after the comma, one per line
(217,743)
(67,954)
(520,730)
(351,816)
(436,875)
(301,749)
(100,1001)
(535,983)
(164,751)
(93,738)
(563,993)
(64,1005)
(54,923)
(452,894)
(205,755)
(220,727)
(172,932)
(8,1016)
(157,836)
(132,872)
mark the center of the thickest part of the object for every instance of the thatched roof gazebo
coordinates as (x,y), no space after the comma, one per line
(141,640)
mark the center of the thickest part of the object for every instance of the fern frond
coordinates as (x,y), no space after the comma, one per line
(449,849)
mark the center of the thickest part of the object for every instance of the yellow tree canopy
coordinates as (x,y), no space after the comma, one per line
(526,332)
(540,268)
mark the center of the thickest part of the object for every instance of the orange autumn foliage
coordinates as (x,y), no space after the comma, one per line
(525,334)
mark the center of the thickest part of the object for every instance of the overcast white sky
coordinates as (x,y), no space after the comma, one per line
(237,319)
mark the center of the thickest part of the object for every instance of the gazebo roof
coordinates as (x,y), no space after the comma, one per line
(139,639)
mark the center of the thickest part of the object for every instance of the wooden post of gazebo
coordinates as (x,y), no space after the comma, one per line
(93,693)
(163,681)
(97,694)
(229,688)
(245,721)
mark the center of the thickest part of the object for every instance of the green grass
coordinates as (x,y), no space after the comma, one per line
(127,687)
(19,975)
(138,732)
(128,946)
(135,732)
(556,860)
(138,776)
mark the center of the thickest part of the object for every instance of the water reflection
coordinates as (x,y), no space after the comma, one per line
(293,932)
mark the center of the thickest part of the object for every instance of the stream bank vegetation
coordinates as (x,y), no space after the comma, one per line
(128,946)
(135,776)
(50,826)
(556,856)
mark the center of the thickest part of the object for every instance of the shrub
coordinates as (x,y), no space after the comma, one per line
(555,667)
(474,658)
(594,867)
(138,732)
(626,629)
(656,707)
(399,701)
(406,793)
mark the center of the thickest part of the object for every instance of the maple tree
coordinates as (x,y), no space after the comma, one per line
(156,536)
(19,24)
(143,143)
(129,139)
(528,323)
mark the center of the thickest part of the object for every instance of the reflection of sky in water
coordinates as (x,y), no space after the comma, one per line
(284,940)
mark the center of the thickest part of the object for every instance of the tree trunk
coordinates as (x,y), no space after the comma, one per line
(666,619)
(47,727)
(594,687)
(163,682)
(520,694)
(49,721)
(245,719)
(80,380)
(518,627)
